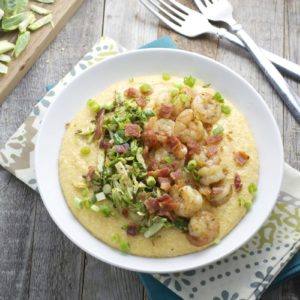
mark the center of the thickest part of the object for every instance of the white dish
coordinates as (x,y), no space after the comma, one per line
(145,62)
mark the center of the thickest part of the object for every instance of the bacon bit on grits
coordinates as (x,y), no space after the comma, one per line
(241,158)
(132,130)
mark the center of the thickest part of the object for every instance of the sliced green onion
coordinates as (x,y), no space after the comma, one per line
(12,23)
(183,98)
(151,181)
(168,159)
(101,160)
(79,185)
(166,76)
(106,189)
(105,210)
(116,237)
(79,203)
(252,188)
(218,97)
(26,22)
(226,109)
(86,150)
(21,6)
(3,69)
(218,130)
(131,80)
(6,46)
(140,158)
(40,23)
(100,196)
(93,105)
(192,164)
(40,10)
(245,202)
(189,81)
(206,85)
(95,208)
(21,43)
(85,192)
(5,58)
(1,14)
(174,92)
(145,88)
(179,86)
(153,229)
(124,246)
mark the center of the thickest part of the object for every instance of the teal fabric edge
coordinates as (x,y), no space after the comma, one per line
(155,289)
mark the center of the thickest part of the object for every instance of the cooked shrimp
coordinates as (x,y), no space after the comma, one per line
(206,109)
(220,194)
(189,200)
(212,174)
(165,125)
(187,128)
(203,228)
(183,100)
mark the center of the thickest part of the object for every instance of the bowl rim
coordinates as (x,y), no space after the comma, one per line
(171,268)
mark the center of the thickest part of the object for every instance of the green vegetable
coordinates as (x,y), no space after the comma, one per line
(6,46)
(218,97)
(105,210)
(192,164)
(21,6)
(12,23)
(151,181)
(8,6)
(252,188)
(218,130)
(95,208)
(1,14)
(86,150)
(40,23)
(79,203)
(106,189)
(179,86)
(226,109)
(3,69)
(85,192)
(5,58)
(206,85)
(101,160)
(168,159)
(189,81)
(154,228)
(100,196)
(26,22)
(174,92)
(145,88)
(22,42)
(245,202)
(93,105)
(40,10)
(45,1)
(124,246)
(166,76)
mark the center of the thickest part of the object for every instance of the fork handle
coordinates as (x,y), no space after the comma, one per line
(290,98)
(284,65)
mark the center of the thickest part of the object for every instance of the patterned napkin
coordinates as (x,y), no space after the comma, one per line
(245,274)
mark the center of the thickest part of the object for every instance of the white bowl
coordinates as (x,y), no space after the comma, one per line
(145,62)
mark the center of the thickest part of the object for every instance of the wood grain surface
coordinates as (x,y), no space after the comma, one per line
(61,10)
(36,260)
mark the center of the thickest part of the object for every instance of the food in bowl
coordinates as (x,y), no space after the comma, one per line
(159,166)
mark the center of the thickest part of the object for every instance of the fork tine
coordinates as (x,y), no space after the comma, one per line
(181,6)
(158,15)
(207,2)
(174,10)
(171,16)
(200,5)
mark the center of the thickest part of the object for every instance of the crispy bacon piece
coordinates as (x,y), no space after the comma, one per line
(141,101)
(105,144)
(241,158)
(132,130)
(99,123)
(164,172)
(152,205)
(167,214)
(212,150)
(205,190)
(153,165)
(238,183)
(90,173)
(165,111)
(214,139)
(176,175)
(131,93)
(132,229)
(122,148)
(167,203)
(165,183)
(125,212)
(150,138)
(173,141)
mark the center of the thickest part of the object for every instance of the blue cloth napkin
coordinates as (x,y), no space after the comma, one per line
(157,290)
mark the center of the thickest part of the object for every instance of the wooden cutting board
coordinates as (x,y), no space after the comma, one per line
(62,10)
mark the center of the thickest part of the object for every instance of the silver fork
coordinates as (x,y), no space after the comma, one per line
(221,10)
(193,23)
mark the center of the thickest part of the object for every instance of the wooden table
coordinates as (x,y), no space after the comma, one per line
(36,260)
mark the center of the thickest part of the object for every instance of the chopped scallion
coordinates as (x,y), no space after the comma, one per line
(166,76)
(189,81)
(151,181)
(226,109)
(86,150)
(145,88)
(218,130)
(252,188)
(79,203)
(218,97)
